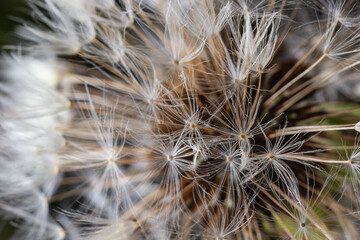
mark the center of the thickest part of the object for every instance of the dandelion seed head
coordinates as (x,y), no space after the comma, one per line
(170,119)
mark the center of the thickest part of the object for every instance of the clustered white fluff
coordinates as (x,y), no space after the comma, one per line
(32,109)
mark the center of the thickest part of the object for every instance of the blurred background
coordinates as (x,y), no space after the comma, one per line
(9,10)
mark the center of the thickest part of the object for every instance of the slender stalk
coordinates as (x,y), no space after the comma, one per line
(297,78)
(256,98)
(310,129)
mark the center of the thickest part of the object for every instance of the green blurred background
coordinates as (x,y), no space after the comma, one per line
(10,9)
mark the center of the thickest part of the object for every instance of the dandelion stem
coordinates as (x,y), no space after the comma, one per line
(300,61)
(309,129)
(311,88)
(314,159)
(254,105)
(284,88)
